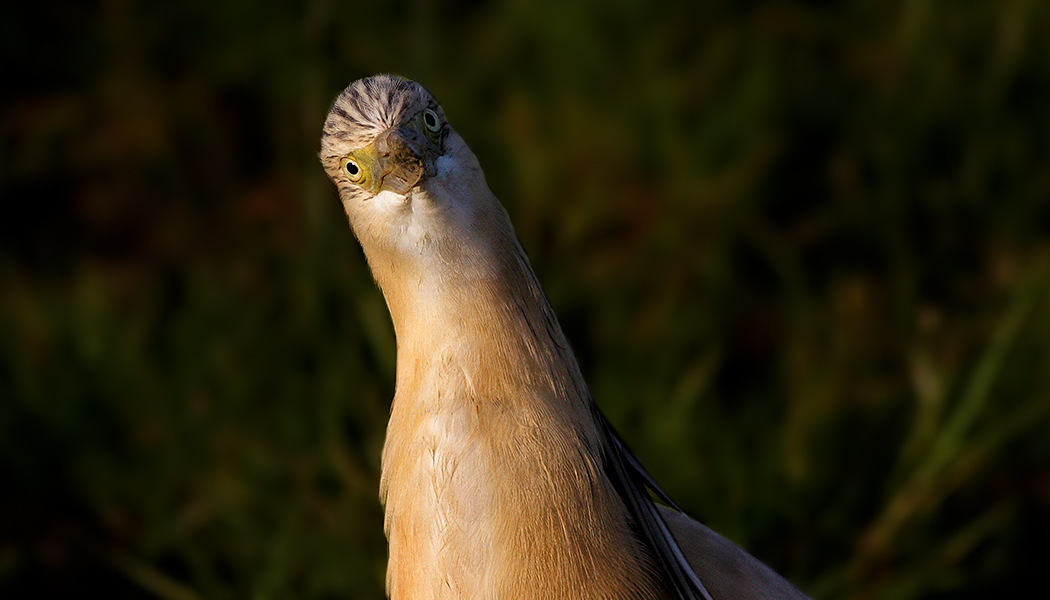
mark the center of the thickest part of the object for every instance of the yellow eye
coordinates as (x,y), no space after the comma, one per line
(430,119)
(353,170)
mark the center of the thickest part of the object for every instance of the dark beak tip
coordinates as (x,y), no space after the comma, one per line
(407,174)
(402,154)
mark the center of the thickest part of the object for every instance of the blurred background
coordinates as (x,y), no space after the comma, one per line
(802,251)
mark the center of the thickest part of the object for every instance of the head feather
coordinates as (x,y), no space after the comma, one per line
(368,107)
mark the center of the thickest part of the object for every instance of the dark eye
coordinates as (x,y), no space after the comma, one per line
(353,170)
(430,119)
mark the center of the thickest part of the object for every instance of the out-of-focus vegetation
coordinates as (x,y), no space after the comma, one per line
(801,249)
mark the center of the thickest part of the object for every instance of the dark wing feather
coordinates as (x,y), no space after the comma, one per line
(632,482)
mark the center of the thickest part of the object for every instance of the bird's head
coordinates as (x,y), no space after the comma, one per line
(383,134)
(411,188)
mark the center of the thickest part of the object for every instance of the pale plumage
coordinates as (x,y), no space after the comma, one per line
(501,479)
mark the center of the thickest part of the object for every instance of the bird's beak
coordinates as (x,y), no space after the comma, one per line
(400,153)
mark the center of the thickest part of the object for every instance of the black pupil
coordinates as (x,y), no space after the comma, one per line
(351,168)
(430,120)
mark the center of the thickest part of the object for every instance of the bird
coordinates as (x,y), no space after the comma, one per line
(500,476)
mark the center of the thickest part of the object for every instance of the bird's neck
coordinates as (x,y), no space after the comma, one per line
(492,469)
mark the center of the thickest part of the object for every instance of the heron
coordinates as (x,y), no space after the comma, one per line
(500,476)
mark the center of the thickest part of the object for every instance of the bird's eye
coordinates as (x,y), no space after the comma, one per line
(430,119)
(353,170)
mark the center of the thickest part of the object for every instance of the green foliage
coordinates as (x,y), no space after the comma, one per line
(801,249)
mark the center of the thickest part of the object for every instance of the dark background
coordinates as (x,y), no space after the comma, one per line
(801,249)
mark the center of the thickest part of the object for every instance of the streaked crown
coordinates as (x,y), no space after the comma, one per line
(367,108)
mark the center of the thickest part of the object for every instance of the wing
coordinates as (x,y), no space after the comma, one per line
(632,482)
